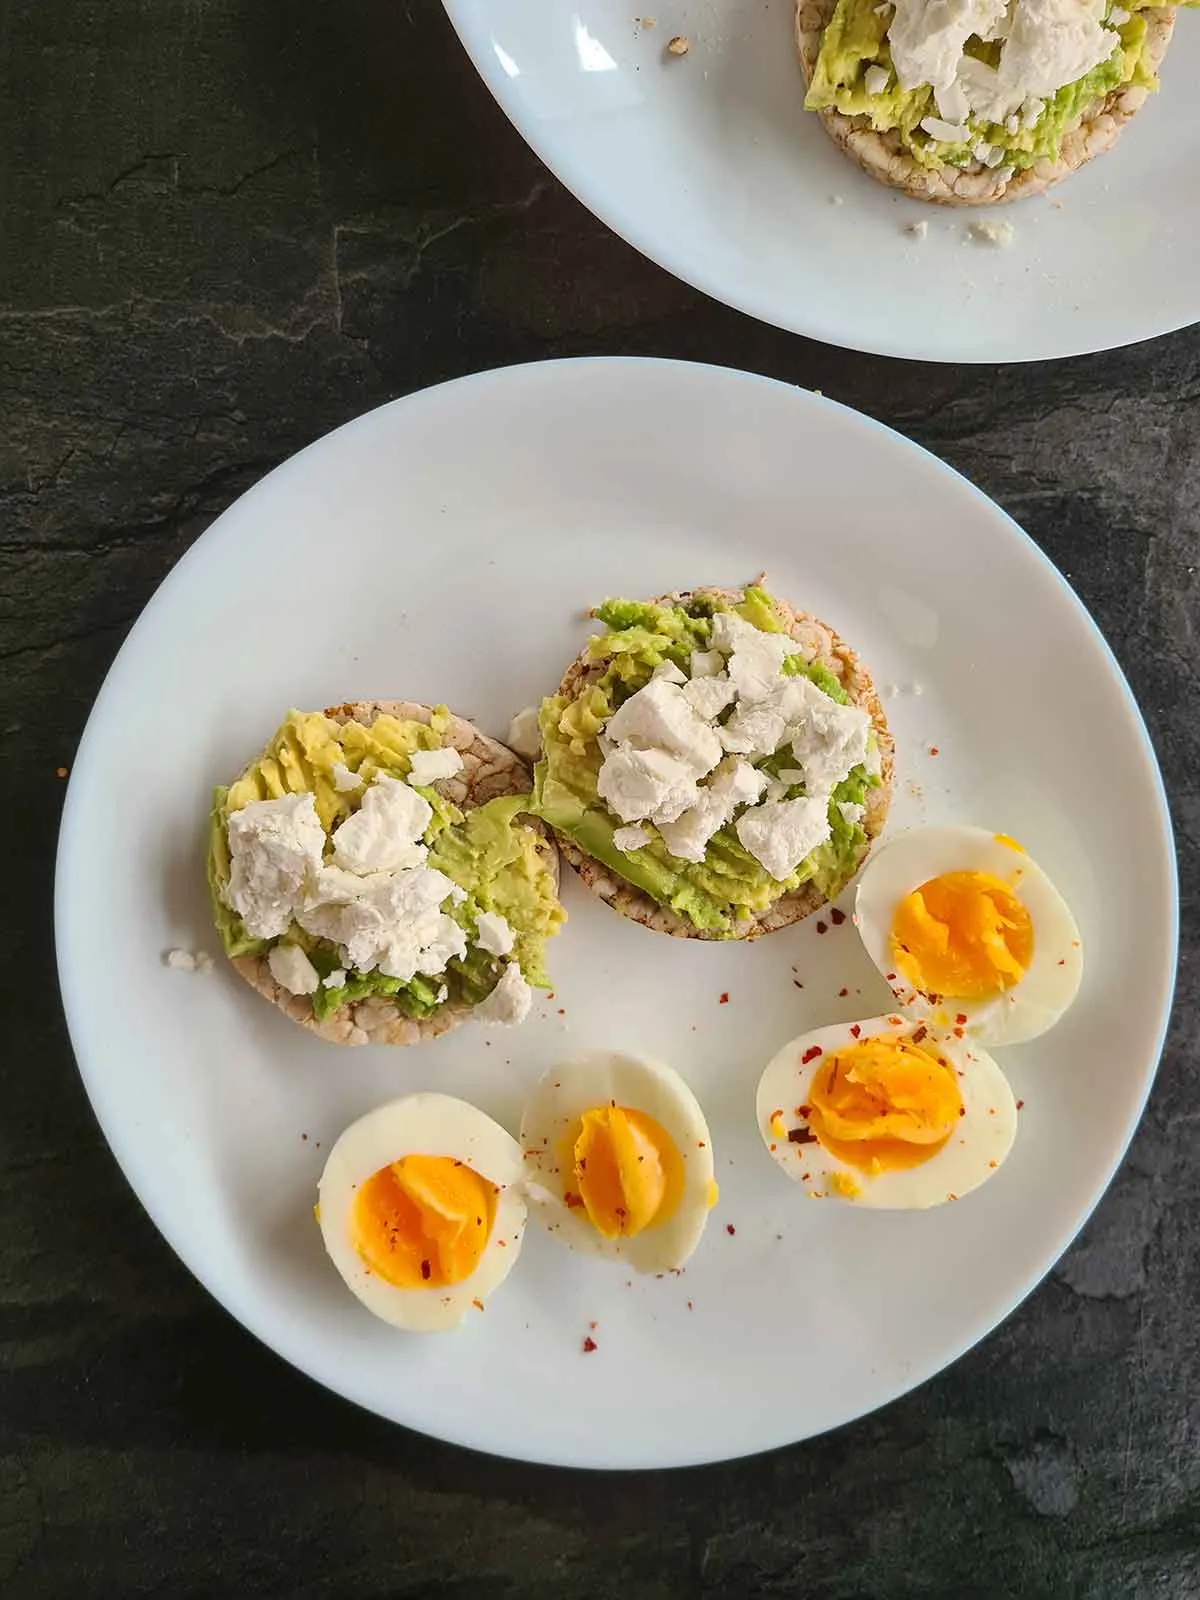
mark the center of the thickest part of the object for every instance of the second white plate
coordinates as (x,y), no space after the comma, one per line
(709,165)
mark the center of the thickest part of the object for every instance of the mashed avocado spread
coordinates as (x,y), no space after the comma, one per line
(728,886)
(492,857)
(855,52)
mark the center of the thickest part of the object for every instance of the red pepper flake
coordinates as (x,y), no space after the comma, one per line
(804,1111)
(993,1165)
(951,1197)
(822,927)
(933,750)
(811,1054)
(836,917)
(842,993)
(778,1112)
(896,1022)
(855,1029)
(730,1229)
(589,1344)
(1020,1104)
(1063,962)
(593,1326)
(502,1243)
(958,1033)
(478,1304)
(700,1145)
(961,1019)
(426,1270)
(805,1177)
(920,1034)
(962,1111)
(550,996)
(724,1000)
(801,1136)
(561,1011)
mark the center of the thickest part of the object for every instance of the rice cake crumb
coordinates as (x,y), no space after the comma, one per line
(679,45)
(999,235)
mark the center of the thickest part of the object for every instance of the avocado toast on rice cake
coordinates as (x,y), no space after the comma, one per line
(715,765)
(376,875)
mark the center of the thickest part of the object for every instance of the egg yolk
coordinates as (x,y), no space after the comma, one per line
(883,1104)
(422,1222)
(627,1170)
(964,934)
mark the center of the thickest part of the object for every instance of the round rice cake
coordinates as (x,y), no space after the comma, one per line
(489,770)
(884,157)
(833,653)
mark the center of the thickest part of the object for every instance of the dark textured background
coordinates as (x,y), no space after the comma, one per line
(225,227)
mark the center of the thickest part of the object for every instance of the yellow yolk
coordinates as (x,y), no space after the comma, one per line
(627,1170)
(423,1221)
(884,1104)
(965,934)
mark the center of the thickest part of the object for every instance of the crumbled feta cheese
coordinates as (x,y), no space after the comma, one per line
(829,741)
(790,776)
(494,934)
(982,152)
(443,995)
(273,845)
(708,697)
(756,729)
(669,672)
(335,979)
(431,766)
(733,786)
(1013,125)
(927,37)
(875,79)
(659,717)
(180,960)
(707,663)
(292,970)
(634,837)
(646,785)
(524,734)
(383,834)
(389,920)
(780,833)
(946,132)
(998,234)
(1032,112)
(755,658)
(775,790)
(510,1001)
(852,812)
(345,781)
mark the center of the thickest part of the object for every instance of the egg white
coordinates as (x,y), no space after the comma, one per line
(433,1125)
(1050,982)
(598,1078)
(971,1155)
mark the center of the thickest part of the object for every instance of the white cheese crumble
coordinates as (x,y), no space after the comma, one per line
(383,834)
(755,658)
(660,717)
(634,837)
(524,734)
(510,1001)
(345,781)
(669,672)
(494,934)
(387,920)
(188,960)
(828,741)
(646,785)
(708,697)
(707,664)
(997,234)
(851,812)
(780,833)
(273,846)
(431,766)
(1045,45)
(689,836)
(335,979)
(875,79)
(292,970)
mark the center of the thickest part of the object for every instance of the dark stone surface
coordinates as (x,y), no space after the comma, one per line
(228,226)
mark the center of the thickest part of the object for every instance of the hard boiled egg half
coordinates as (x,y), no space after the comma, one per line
(886,1113)
(619,1160)
(965,926)
(421,1209)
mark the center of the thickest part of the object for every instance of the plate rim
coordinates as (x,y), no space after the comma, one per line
(574,178)
(91,1073)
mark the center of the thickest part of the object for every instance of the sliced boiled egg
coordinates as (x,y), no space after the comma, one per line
(421,1210)
(886,1113)
(619,1160)
(966,927)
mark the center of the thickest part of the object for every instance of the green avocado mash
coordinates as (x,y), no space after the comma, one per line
(729,886)
(486,851)
(855,40)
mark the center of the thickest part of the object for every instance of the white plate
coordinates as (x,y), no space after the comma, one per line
(709,165)
(446,546)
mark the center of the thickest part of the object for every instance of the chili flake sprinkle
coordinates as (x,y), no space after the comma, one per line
(724,1000)
(842,993)
(822,927)
(836,917)
(920,1034)
(811,1054)
(801,1136)
(730,1229)
(855,1029)
(589,1344)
